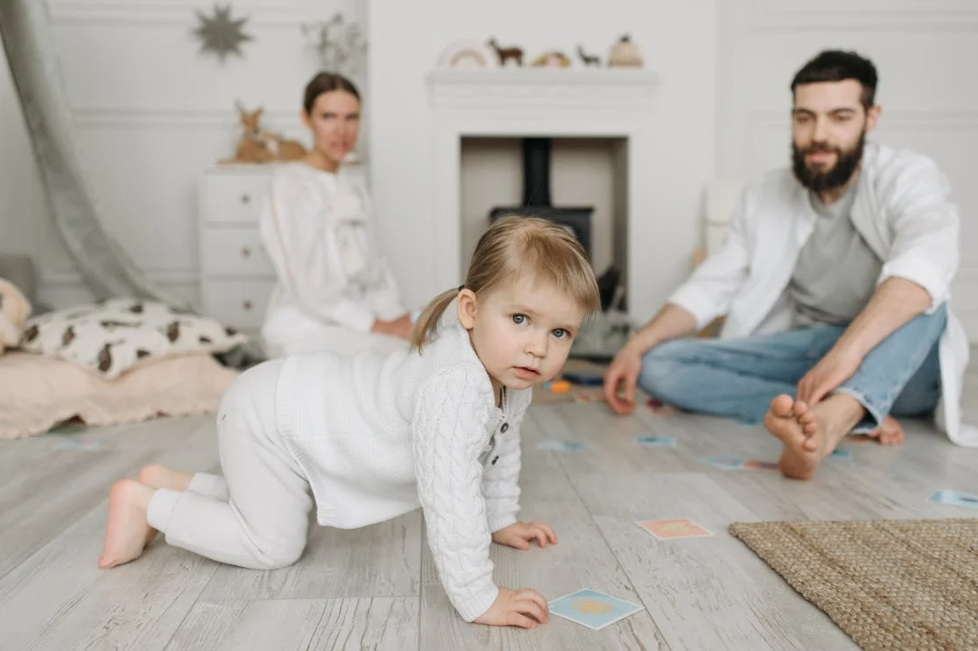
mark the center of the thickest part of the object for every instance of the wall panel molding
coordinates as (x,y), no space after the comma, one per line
(864,15)
(178,12)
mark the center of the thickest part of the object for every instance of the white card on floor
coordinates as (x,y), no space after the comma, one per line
(726,463)
(79,444)
(592,609)
(955,498)
(656,441)
(560,446)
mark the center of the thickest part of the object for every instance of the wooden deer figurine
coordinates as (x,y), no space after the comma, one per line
(507,53)
(588,59)
(260,146)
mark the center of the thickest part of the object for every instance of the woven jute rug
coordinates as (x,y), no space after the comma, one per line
(898,585)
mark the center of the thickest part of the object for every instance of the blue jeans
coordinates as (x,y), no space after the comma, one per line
(739,377)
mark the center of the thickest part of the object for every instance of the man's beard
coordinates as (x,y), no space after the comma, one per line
(845,166)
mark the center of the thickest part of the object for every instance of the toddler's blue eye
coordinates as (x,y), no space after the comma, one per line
(519,319)
(560,333)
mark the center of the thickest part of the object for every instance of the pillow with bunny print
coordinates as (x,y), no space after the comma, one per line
(111,337)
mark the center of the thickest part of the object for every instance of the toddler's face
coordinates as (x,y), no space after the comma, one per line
(522,332)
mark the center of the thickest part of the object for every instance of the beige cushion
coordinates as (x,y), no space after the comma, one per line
(112,337)
(38,392)
(14,310)
(722,198)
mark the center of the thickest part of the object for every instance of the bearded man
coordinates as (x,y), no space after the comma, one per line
(834,280)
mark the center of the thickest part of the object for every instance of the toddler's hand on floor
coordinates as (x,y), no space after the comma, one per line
(519,535)
(524,608)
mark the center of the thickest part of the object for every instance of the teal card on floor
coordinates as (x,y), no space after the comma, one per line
(592,609)
(955,498)
(656,441)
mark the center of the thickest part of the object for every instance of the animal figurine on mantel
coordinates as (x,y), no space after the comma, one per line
(507,53)
(588,59)
(260,146)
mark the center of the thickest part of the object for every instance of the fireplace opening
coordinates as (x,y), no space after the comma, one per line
(577,182)
(537,155)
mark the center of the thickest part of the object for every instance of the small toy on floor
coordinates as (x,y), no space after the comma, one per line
(558,386)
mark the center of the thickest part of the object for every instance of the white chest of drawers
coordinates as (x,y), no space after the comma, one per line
(236,275)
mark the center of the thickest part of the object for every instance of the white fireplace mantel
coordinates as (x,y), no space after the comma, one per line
(553,102)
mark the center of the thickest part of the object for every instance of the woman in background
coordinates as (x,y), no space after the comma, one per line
(334,291)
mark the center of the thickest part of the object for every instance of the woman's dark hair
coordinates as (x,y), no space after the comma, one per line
(326,82)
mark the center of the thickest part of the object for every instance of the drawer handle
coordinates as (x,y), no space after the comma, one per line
(246,252)
(247,305)
(245,198)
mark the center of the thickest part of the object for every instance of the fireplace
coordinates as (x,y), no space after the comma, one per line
(537,153)
(612,105)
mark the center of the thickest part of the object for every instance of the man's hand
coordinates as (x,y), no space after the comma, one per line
(519,534)
(895,302)
(623,372)
(400,327)
(671,322)
(836,367)
(524,608)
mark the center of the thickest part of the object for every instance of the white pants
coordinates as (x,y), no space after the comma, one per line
(256,515)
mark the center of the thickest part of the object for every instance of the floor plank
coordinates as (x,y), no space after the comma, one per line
(383,560)
(59,599)
(747,605)
(379,624)
(580,559)
(375,588)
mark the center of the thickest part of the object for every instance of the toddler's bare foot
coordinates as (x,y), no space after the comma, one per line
(890,432)
(158,476)
(127,528)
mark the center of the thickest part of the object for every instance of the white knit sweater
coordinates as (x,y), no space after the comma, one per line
(377,436)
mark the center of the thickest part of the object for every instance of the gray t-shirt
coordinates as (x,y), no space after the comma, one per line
(836,272)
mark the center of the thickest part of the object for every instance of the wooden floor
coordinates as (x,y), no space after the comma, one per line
(375,588)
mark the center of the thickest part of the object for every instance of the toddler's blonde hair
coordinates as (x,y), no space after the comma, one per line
(512,248)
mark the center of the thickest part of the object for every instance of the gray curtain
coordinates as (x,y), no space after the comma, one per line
(29,43)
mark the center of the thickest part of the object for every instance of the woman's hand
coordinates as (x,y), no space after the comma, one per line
(519,534)
(400,327)
(524,608)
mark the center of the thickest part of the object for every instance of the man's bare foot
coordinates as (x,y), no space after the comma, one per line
(809,435)
(890,432)
(158,476)
(127,528)
(783,421)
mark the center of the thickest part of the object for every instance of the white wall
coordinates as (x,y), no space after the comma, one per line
(925,53)
(151,114)
(677,40)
